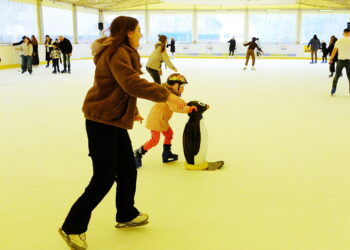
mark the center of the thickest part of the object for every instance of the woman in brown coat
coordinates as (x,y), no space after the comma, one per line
(110,109)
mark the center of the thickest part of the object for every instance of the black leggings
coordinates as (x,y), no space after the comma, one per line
(113,161)
(154,74)
(340,65)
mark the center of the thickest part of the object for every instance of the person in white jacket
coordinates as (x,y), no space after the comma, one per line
(155,60)
(27,51)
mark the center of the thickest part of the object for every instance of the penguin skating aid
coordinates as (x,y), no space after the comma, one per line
(195,141)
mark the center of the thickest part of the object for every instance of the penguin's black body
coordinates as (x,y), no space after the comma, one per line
(195,140)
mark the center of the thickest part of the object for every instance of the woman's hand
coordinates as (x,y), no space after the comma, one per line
(138,118)
(177,101)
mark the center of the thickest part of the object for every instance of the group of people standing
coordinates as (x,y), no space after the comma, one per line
(53,51)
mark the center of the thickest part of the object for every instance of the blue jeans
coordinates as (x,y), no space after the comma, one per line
(26,63)
(340,65)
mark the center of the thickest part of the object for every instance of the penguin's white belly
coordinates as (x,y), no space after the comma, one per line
(202,154)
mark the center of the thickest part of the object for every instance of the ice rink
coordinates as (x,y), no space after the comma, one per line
(285,142)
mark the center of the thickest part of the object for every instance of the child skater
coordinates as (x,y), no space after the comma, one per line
(250,52)
(55,56)
(158,121)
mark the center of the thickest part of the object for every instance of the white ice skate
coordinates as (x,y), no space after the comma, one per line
(245,67)
(253,68)
(140,220)
(74,241)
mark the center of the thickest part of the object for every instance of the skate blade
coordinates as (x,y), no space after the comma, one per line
(69,243)
(171,160)
(125,225)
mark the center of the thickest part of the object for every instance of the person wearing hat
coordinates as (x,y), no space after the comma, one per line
(158,121)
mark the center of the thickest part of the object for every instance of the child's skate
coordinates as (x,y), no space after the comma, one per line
(138,153)
(167,155)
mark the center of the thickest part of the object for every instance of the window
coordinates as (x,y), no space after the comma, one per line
(57,22)
(177,26)
(17,20)
(273,27)
(220,27)
(87,20)
(323,25)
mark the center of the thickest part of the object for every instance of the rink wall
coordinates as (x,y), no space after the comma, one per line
(11,57)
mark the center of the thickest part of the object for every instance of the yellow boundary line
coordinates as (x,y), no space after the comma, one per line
(12,66)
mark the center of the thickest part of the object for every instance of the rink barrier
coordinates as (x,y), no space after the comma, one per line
(189,56)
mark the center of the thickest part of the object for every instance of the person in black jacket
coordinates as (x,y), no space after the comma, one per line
(232,47)
(35,51)
(66,49)
(335,59)
(48,48)
(324,51)
(172,46)
(20,42)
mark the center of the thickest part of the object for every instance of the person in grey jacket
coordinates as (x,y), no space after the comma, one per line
(315,45)
(155,60)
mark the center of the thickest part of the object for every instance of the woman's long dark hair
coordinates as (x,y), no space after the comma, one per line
(333,40)
(119,32)
(34,41)
(163,40)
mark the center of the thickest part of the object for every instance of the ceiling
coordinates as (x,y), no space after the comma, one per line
(209,4)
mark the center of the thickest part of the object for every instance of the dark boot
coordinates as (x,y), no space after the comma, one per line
(64,69)
(167,155)
(333,91)
(138,153)
(331,75)
(68,69)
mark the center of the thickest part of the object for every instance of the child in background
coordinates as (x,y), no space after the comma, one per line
(27,51)
(55,56)
(158,121)
(324,51)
